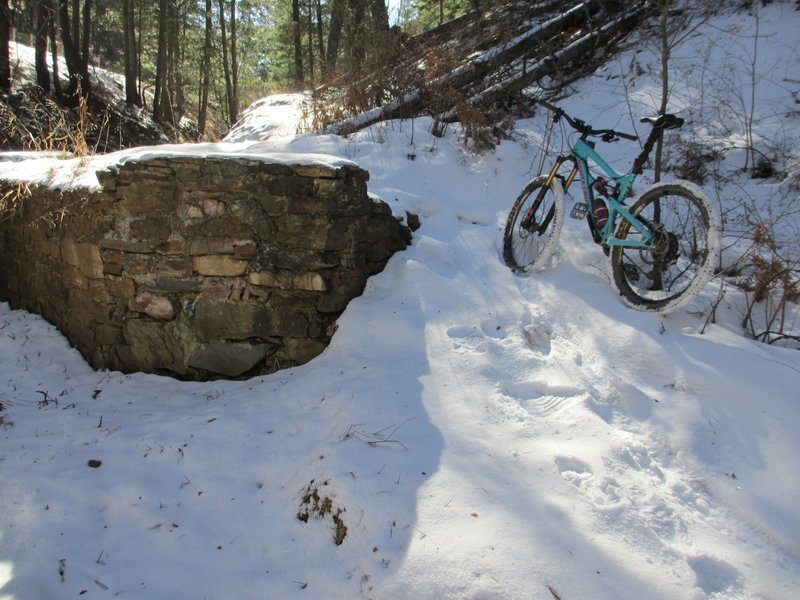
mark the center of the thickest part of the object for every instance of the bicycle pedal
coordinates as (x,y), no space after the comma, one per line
(579,210)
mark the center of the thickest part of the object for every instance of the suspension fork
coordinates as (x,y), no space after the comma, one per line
(529,222)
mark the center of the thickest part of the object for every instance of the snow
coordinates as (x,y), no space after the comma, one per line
(480,435)
(69,173)
(106,84)
(274,116)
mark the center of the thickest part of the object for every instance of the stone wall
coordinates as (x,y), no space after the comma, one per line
(198,267)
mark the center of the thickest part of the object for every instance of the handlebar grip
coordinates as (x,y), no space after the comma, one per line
(627,136)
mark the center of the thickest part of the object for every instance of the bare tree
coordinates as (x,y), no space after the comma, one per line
(678,20)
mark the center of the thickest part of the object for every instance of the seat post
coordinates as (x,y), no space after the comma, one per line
(638,164)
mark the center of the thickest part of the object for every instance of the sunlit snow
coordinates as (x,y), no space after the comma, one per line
(480,435)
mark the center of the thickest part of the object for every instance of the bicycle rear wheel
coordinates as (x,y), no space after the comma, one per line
(533,226)
(687,249)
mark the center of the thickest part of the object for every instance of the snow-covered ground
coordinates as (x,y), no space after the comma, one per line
(478,434)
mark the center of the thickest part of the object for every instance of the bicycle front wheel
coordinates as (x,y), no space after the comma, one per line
(685,254)
(533,226)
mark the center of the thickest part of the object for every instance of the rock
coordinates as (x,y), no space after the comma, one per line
(158,307)
(220,266)
(229,359)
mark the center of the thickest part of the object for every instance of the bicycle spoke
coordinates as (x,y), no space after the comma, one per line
(682,256)
(533,226)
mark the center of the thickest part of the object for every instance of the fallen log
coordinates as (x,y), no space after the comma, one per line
(417,100)
(555,62)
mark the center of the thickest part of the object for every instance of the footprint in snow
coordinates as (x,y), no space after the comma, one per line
(537,337)
(575,471)
(713,575)
(572,464)
(475,336)
(467,338)
(544,398)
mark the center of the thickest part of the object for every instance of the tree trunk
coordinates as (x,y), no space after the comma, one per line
(75,21)
(380,15)
(234,96)
(358,47)
(335,34)
(5,35)
(54,47)
(174,87)
(131,55)
(662,109)
(320,35)
(537,43)
(78,69)
(298,44)
(205,74)
(140,52)
(159,110)
(40,45)
(87,30)
(225,64)
(310,30)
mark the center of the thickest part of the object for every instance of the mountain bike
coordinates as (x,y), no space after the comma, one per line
(664,247)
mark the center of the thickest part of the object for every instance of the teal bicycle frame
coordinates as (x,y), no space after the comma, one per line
(582,152)
(614,200)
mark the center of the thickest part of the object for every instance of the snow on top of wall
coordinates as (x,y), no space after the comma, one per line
(57,172)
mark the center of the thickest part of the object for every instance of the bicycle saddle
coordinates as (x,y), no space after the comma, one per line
(664,121)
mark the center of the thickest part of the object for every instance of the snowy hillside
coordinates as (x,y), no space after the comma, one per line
(112,124)
(468,434)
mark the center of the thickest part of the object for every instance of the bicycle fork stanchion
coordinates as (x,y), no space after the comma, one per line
(529,221)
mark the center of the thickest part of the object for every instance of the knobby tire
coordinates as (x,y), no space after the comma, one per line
(531,234)
(689,227)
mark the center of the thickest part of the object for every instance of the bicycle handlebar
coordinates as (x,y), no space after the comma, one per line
(607,135)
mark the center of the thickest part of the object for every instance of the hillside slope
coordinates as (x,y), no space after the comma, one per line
(475,434)
(473,69)
(32,120)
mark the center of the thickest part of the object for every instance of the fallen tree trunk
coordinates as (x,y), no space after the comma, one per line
(416,101)
(549,65)
(470,82)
